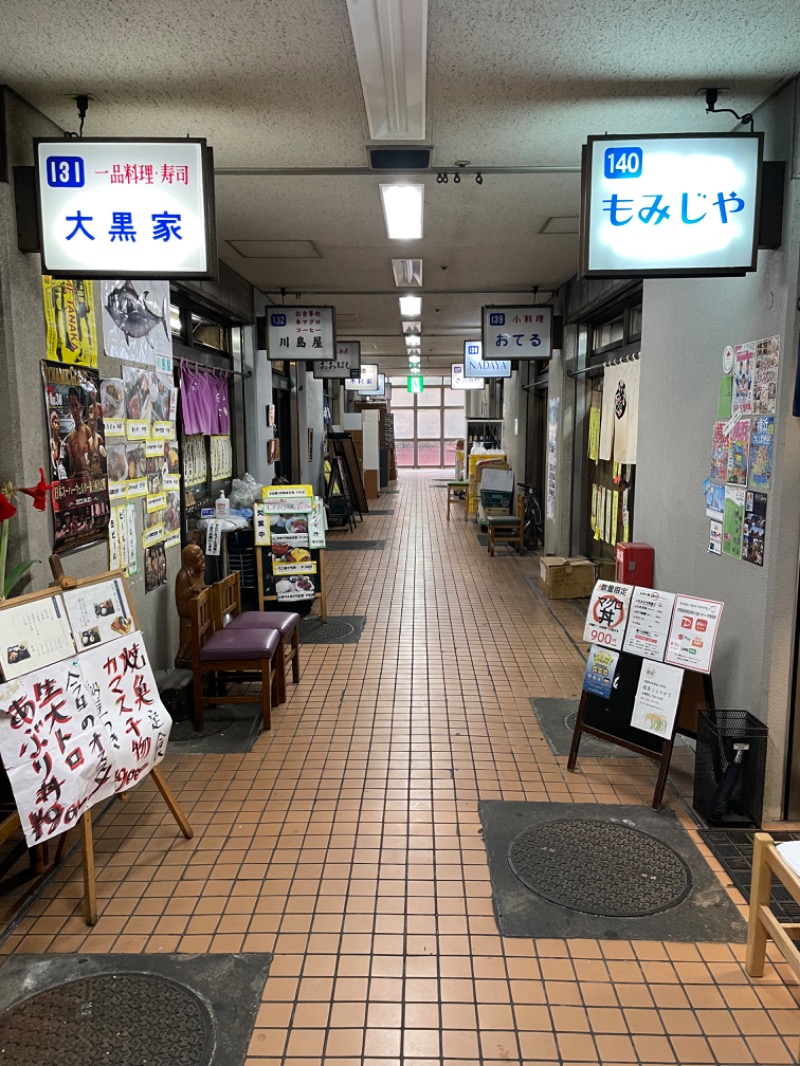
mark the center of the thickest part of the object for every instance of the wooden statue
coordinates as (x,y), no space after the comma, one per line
(189,583)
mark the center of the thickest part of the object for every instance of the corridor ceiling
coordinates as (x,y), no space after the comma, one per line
(511,85)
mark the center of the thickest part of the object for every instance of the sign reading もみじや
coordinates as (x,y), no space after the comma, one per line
(126,208)
(670,206)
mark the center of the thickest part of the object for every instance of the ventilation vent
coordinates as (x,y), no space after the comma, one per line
(399,158)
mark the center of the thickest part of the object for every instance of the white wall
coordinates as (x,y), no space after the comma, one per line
(686,326)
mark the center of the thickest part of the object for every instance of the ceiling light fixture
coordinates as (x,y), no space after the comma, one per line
(413,325)
(413,340)
(402,210)
(391,46)
(410,306)
(414,360)
(407,271)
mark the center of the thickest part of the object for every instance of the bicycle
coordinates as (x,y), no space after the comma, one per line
(532,522)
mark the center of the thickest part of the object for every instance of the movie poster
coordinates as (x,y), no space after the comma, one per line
(78,461)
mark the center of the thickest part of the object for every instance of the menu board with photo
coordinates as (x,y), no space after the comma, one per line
(34,634)
(98,613)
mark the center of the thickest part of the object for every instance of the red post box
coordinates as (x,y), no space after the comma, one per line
(635,564)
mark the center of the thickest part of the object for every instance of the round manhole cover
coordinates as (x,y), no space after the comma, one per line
(109,1020)
(601,868)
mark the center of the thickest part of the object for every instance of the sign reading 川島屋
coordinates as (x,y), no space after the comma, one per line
(476,367)
(126,208)
(670,206)
(517,332)
(345,364)
(301,333)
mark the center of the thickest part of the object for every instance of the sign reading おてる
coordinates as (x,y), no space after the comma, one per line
(126,208)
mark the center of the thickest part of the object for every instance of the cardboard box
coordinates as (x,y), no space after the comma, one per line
(564,579)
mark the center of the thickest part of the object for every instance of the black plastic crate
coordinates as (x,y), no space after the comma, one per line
(729,770)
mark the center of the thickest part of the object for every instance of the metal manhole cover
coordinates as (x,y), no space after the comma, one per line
(601,868)
(346,629)
(109,1020)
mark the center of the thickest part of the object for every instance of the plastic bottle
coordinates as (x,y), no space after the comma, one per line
(222,506)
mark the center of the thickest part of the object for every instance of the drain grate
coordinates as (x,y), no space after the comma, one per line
(343,630)
(600,868)
(125,1019)
(356,545)
(734,849)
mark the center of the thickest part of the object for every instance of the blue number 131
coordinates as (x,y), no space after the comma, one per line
(623,162)
(65,171)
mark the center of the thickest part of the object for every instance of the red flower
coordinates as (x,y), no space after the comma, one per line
(38,492)
(7,508)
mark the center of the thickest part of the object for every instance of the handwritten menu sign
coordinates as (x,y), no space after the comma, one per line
(33,635)
(648,626)
(693,632)
(78,731)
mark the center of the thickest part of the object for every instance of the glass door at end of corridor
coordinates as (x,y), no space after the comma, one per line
(428,424)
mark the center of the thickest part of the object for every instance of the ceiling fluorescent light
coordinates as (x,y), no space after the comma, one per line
(410,306)
(413,340)
(413,325)
(407,272)
(402,209)
(390,40)
(414,360)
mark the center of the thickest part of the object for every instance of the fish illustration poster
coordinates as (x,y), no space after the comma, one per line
(69,314)
(135,320)
(78,455)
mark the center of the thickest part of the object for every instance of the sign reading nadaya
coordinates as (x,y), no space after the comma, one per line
(476,367)
(111,208)
(670,206)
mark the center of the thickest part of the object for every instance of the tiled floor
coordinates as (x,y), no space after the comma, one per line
(348,843)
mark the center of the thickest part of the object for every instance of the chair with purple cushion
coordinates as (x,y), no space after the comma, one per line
(228,614)
(232,654)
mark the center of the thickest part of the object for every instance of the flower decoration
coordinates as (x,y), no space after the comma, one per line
(39,493)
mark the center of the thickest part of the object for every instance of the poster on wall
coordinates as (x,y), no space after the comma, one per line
(78,458)
(155,567)
(762,436)
(135,321)
(755,528)
(744,361)
(715,538)
(715,501)
(765,375)
(70,321)
(733,522)
(719,452)
(552,457)
(738,449)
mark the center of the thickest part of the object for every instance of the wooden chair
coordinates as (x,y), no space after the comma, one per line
(770,859)
(240,653)
(509,527)
(457,493)
(228,614)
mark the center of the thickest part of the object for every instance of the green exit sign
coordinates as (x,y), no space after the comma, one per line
(415,385)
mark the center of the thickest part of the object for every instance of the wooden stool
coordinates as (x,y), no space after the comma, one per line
(457,493)
(507,528)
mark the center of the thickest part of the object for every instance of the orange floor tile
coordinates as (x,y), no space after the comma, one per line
(348,842)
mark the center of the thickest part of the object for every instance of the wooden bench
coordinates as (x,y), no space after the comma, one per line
(506,528)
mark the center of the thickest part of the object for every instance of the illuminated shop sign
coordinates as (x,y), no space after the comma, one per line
(126,208)
(670,206)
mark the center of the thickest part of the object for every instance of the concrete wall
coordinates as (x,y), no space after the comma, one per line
(686,326)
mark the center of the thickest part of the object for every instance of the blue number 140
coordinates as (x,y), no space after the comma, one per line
(623,162)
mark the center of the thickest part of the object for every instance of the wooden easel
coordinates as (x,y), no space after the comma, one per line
(697,693)
(85,822)
(321,595)
(337,479)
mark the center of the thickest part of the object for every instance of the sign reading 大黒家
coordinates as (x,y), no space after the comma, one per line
(125,208)
(670,206)
(517,332)
(301,333)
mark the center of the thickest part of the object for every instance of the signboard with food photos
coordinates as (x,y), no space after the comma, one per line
(290,541)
